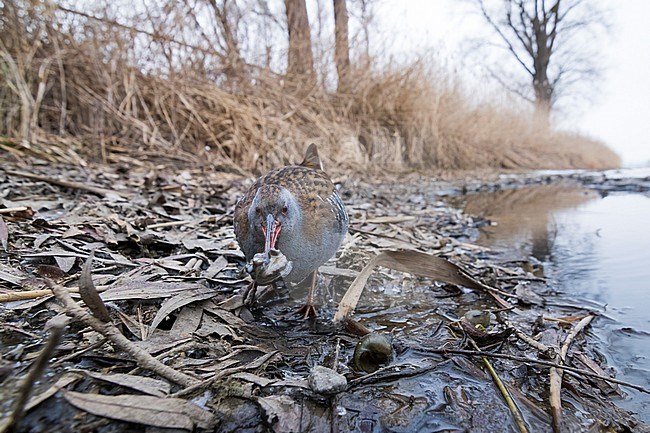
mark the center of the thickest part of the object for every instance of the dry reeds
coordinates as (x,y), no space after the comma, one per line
(74,90)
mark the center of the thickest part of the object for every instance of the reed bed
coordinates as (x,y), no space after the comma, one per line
(75,89)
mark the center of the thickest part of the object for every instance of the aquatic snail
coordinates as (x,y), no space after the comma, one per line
(475,323)
(371,351)
(478,318)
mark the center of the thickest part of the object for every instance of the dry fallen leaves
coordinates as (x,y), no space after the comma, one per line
(142,409)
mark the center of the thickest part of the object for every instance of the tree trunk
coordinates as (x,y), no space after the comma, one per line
(342,47)
(543,96)
(301,59)
(541,59)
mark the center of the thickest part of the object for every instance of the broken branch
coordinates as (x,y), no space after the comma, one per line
(108,330)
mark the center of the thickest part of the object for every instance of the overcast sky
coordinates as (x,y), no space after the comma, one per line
(619,114)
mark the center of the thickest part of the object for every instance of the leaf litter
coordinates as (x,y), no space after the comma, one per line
(168,272)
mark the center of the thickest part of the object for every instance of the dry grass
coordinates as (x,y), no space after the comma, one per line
(74,93)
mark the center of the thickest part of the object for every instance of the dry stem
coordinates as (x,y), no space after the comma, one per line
(108,330)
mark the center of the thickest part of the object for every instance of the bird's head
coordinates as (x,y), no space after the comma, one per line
(273,210)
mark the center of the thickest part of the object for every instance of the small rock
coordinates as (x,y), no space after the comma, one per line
(323,380)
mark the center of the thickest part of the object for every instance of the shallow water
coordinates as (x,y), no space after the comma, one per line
(593,246)
(593,260)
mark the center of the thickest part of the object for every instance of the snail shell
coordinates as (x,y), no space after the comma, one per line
(478,318)
(266,269)
(372,350)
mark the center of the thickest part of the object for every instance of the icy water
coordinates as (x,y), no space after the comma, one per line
(594,247)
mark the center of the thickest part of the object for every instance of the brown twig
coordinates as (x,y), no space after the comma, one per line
(556,374)
(355,327)
(153,35)
(35,372)
(108,330)
(14,209)
(68,184)
(546,351)
(33,294)
(80,352)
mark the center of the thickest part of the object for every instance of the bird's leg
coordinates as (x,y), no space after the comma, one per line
(308,309)
(249,293)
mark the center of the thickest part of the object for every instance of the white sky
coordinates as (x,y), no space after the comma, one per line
(618,116)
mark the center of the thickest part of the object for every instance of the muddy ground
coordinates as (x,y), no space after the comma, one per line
(170,276)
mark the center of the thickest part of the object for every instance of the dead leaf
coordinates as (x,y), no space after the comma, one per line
(71,232)
(41,239)
(281,412)
(253,378)
(146,385)
(203,244)
(53,272)
(527,296)
(144,409)
(211,326)
(11,275)
(390,219)
(89,293)
(179,301)
(225,316)
(4,234)
(567,320)
(391,243)
(606,387)
(65,263)
(215,267)
(187,321)
(147,290)
(126,227)
(138,329)
(63,381)
(161,342)
(413,262)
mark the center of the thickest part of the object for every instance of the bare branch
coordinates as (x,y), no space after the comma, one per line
(35,372)
(555,17)
(525,39)
(154,35)
(531,31)
(505,39)
(507,84)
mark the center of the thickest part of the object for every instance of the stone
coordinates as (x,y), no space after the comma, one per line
(323,380)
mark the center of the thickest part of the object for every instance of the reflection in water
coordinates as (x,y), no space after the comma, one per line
(524,216)
(591,247)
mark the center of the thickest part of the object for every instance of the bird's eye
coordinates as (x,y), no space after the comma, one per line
(258,211)
(285,210)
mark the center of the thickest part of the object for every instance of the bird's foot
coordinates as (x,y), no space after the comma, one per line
(308,310)
(249,294)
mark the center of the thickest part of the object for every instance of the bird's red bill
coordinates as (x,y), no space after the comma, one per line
(271,233)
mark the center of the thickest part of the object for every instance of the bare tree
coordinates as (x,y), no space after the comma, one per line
(224,15)
(301,59)
(341,47)
(542,37)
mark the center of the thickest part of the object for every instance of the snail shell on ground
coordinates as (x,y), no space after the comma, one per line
(478,317)
(372,350)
